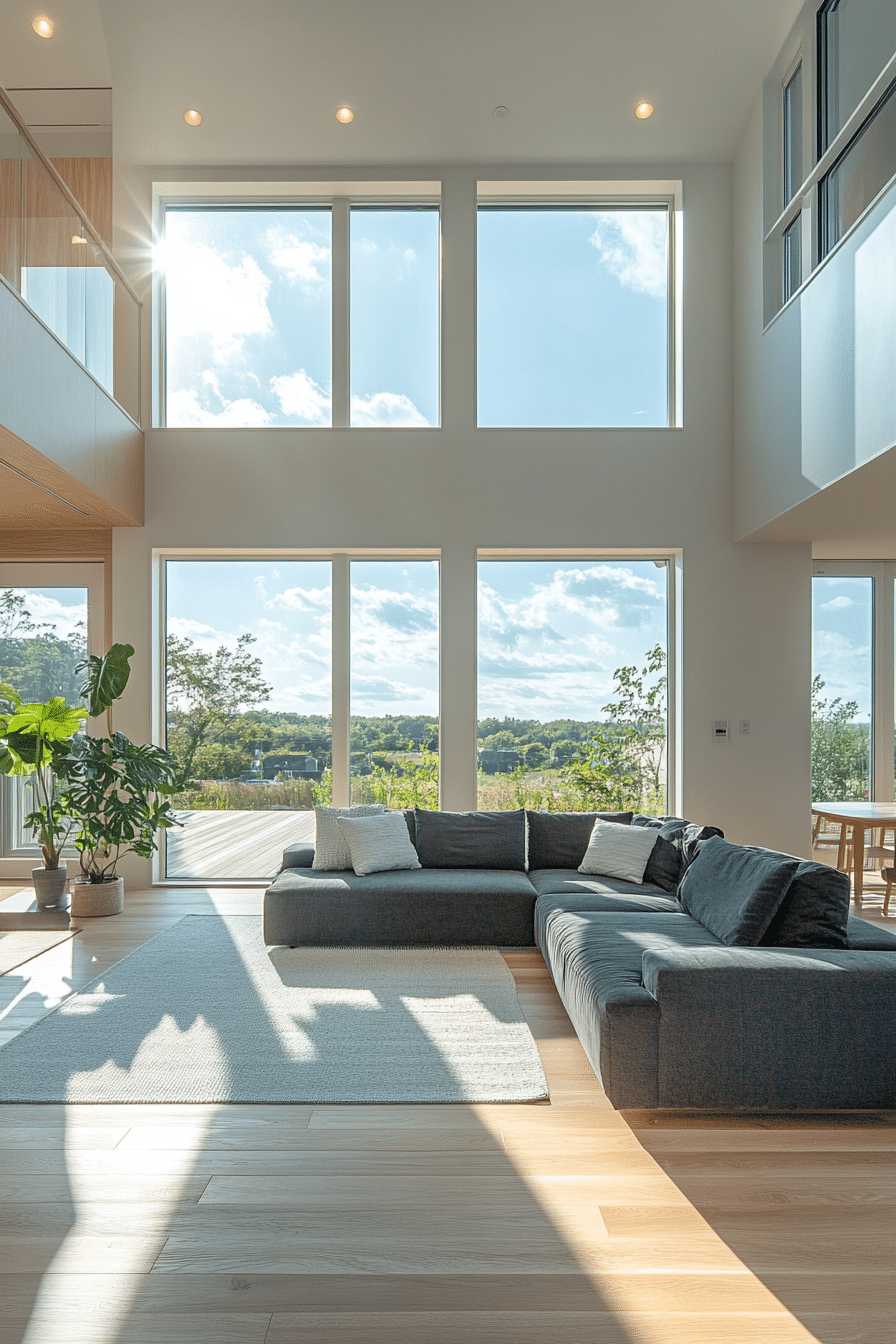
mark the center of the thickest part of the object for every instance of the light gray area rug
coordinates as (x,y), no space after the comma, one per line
(204,1012)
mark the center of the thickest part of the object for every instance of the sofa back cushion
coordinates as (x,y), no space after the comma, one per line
(814,911)
(560,839)
(471,839)
(680,844)
(735,891)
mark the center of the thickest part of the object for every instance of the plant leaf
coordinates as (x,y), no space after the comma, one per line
(106,678)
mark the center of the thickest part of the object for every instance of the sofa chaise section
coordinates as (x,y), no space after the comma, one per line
(429,907)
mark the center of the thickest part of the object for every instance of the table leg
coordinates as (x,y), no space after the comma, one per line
(858,860)
(841,849)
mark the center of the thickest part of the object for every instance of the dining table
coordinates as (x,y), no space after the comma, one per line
(859,818)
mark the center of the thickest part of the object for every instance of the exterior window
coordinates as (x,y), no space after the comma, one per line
(856,39)
(862,170)
(248,309)
(248,710)
(573,316)
(395,682)
(394,316)
(842,682)
(793,133)
(254,305)
(572,684)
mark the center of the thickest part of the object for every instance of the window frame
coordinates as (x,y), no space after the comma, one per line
(339,198)
(598,195)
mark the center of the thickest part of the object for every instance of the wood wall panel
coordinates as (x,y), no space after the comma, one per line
(90,182)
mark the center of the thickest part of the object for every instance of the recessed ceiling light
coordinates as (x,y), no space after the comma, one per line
(192,117)
(345,115)
(643,111)
(501,113)
(43,26)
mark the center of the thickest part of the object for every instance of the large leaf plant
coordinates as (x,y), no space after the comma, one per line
(35,741)
(117,791)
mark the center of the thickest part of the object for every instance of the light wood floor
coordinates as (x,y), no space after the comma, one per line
(565,1222)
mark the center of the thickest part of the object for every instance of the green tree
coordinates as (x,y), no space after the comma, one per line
(33,658)
(840,749)
(622,765)
(207,693)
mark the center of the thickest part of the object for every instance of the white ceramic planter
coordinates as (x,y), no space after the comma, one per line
(91,899)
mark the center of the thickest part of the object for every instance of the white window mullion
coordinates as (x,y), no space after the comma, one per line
(341,327)
(341,679)
(883,682)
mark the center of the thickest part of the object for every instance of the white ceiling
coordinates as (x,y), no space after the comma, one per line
(423,76)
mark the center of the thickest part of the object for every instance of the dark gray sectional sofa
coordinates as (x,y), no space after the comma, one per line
(739,1009)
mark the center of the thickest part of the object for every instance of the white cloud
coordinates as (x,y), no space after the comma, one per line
(300,396)
(302,261)
(207,296)
(46,610)
(301,599)
(838,603)
(386,408)
(632,246)
(184,411)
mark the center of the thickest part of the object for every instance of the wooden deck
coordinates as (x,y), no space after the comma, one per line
(233,846)
(564,1221)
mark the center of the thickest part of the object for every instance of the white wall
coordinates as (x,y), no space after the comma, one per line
(745,609)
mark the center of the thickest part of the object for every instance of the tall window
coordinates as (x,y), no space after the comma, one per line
(573,315)
(51,615)
(248,709)
(255,302)
(572,684)
(856,39)
(853,681)
(394,316)
(395,682)
(291,683)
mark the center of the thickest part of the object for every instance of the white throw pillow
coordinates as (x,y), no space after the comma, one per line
(618,851)
(379,844)
(330,850)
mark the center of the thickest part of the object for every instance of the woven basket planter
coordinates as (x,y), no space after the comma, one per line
(91,899)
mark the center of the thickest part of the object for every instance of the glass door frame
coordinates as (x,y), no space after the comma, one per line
(883,658)
(16,861)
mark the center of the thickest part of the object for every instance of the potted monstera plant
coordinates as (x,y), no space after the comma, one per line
(117,792)
(35,741)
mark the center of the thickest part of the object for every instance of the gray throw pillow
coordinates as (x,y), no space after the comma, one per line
(734,891)
(560,839)
(471,839)
(814,911)
(665,866)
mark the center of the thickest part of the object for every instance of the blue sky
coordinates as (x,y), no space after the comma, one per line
(571,328)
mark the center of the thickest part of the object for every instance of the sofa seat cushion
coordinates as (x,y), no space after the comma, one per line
(595,960)
(863,936)
(581,891)
(418,907)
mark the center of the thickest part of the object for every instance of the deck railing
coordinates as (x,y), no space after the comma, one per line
(56,261)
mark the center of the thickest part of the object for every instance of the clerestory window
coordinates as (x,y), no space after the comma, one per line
(309,314)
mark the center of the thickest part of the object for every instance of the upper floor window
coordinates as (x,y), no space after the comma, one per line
(856,39)
(574,314)
(793,133)
(316,315)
